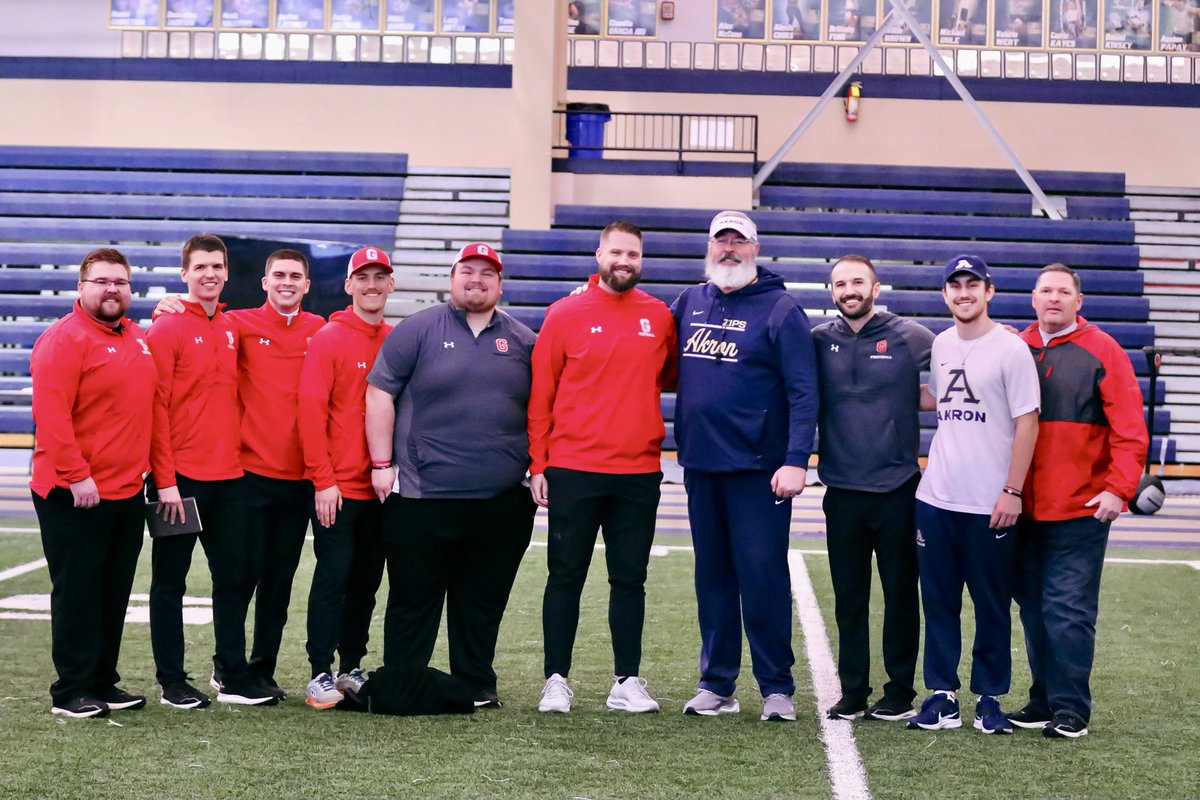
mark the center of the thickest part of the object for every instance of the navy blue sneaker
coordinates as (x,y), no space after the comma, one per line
(1065,725)
(989,718)
(939,711)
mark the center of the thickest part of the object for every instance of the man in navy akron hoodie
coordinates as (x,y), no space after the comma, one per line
(744,423)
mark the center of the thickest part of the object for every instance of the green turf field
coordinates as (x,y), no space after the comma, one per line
(1145,740)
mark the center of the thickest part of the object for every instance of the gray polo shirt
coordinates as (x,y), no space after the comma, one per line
(461,403)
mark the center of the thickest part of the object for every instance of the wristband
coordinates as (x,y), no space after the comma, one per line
(1012,491)
(381,465)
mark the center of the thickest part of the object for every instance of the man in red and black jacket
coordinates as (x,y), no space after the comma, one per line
(195,454)
(93,390)
(1086,466)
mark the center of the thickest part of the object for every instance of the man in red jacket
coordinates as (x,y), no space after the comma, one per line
(347,518)
(195,453)
(93,390)
(1086,466)
(595,437)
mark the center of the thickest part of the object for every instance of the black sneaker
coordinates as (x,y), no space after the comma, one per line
(1030,717)
(1065,725)
(890,710)
(183,695)
(487,699)
(847,708)
(267,684)
(81,708)
(245,691)
(120,700)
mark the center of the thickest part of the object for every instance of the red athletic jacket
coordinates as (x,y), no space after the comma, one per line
(93,394)
(271,350)
(197,430)
(599,366)
(333,403)
(1091,432)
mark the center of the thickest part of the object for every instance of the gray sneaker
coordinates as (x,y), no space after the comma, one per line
(351,684)
(710,704)
(778,707)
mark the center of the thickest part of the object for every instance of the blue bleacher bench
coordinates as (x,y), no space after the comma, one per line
(1058,181)
(934,201)
(226,184)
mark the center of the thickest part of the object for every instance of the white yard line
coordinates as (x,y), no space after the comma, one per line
(13,572)
(847,775)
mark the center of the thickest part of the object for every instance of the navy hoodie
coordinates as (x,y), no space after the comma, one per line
(747,397)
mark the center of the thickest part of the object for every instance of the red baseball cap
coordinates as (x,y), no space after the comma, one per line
(368,257)
(480,250)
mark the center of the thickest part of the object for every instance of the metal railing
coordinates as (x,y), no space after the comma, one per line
(594,133)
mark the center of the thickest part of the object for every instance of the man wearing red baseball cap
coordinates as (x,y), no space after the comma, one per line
(457,517)
(346,515)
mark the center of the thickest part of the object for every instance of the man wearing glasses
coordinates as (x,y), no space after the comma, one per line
(744,423)
(94,383)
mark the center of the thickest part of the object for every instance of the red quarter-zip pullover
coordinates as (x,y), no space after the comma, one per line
(599,366)
(271,350)
(333,403)
(197,430)
(93,393)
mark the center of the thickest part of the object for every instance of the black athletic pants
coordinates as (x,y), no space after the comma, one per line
(347,575)
(223,514)
(92,554)
(883,523)
(625,508)
(277,520)
(464,553)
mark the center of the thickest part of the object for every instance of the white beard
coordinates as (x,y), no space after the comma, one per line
(730,277)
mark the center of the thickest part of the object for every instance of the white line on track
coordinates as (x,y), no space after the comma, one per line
(846,773)
(13,572)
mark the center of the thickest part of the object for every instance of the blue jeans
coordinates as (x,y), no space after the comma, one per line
(1058,590)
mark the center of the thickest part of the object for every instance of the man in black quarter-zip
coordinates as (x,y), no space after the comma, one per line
(869,364)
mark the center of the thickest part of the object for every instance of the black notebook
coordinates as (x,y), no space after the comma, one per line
(160,527)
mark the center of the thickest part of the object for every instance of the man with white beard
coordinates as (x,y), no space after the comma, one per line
(744,423)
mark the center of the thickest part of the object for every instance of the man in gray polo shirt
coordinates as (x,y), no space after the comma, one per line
(446,425)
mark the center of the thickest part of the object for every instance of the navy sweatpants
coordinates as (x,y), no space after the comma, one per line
(956,548)
(740,534)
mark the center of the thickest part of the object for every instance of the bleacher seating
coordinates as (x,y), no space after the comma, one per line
(56,204)
(908,220)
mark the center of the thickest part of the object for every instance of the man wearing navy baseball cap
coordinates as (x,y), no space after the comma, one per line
(984,387)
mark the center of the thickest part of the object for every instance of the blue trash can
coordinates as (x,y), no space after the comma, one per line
(585,129)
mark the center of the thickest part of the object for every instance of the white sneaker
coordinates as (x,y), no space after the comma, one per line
(351,684)
(710,704)
(322,693)
(631,696)
(556,695)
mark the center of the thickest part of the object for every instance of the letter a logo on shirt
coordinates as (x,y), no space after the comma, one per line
(502,345)
(958,384)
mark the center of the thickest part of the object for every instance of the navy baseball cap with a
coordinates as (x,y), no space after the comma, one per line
(966,263)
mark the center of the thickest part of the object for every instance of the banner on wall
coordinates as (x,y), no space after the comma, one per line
(133,14)
(796,20)
(354,15)
(897,28)
(632,17)
(741,19)
(962,22)
(244,14)
(466,16)
(583,17)
(506,17)
(851,20)
(1018,23)
(189,13)
(1073,24)
(410,16)
(300,15)
(1127,24)
(1179,25)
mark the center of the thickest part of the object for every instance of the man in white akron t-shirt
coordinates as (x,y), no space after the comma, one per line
(984,387)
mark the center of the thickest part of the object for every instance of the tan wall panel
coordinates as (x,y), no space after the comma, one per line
(652,191)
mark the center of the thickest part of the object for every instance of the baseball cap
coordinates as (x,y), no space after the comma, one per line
(734,221)
(966,263)
(368,257)
(480,250)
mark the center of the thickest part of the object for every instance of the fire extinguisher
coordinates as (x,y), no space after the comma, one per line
(851,101)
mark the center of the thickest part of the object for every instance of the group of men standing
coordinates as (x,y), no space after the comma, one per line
(412,447)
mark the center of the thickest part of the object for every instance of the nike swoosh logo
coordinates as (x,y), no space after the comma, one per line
(1001,535)
(781,501)
(943,363)
(697,313)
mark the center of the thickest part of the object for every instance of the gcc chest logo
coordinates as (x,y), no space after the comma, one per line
(502,345)
(645,331)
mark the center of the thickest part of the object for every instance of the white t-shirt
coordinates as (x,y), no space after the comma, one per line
(981,386)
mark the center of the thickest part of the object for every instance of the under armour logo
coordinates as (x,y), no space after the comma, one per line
(447,344)
(833,348)
(362,365)
(264,341)
(199,340)
(598,329)
(112,349)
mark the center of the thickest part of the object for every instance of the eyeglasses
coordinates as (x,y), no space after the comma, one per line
(736,241)
(104,283)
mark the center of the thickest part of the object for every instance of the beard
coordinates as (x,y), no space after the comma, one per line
(620,284)
(104,312)
(730,273)
(865,305)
